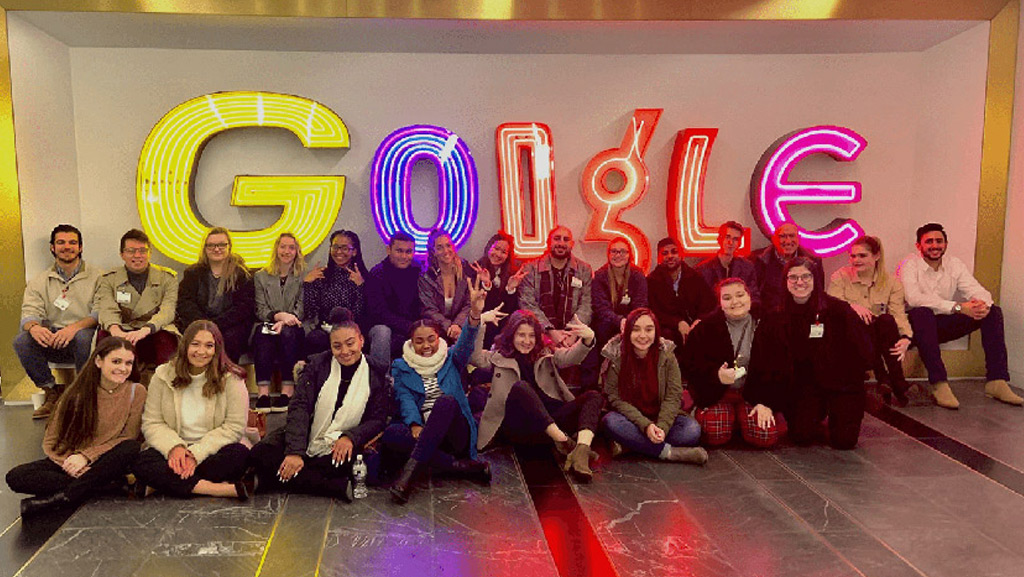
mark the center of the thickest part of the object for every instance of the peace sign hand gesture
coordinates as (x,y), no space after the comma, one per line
(316,273)
(477,296)
(354,275)
(483,274)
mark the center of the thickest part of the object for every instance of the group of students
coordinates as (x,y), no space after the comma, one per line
(481,351)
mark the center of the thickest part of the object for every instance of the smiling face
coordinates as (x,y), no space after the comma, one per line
(444,250)
(786,240)
(668,256)
(400,253)
(618,253)
(862,260)
(524,339)
(800,283)
(425,341)
(730,241)
(67,247)
(932,245)
(116,367)
(287,250)
(734,300)
(346,345)
(642,335)
(498,253)
(342,250)
(218,246)
(560,243)
(135,256)
(201,350)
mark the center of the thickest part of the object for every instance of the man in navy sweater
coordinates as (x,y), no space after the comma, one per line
(392,301)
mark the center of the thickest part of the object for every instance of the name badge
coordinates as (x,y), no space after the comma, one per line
(123,297)
(625,300)
(62,303)
(740,372)
(496,282)
(817,331)
(326,327)
(576,283)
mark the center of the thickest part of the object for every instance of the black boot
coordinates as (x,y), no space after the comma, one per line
(478,471)
(402,487)
(33,506)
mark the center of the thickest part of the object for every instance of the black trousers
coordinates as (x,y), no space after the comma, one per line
(318,475)
(527,414)
(226,465)
(884,334)
(844,412)
(444,438)
(44,477)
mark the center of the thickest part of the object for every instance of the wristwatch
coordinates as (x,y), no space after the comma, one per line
(957,308)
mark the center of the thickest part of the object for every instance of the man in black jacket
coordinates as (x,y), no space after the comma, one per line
(770,260)
(392,301)
(677,294)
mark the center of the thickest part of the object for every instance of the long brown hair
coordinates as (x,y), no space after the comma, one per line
(613,285)
(77,411)
(432,260)
(215,371)
(638,375)
(234,266)
(504,343)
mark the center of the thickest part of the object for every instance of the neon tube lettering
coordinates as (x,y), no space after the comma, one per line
(512,138)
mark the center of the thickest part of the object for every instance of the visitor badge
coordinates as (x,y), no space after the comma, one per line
(817,331)
(62,303)
(326,327)
(625,299)
(123,297)
(576,283)
(740,372)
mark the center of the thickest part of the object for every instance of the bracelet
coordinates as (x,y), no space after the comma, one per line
(474,318)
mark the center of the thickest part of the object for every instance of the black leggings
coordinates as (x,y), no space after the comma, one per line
(444,438)
(44,477)
(226,465)
(528,414)
(318,475)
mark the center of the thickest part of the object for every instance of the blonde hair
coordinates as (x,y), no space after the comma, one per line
(874,246)
(234,264)
(274,268)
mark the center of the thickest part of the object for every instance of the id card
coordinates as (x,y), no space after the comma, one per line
(740,372)
(625,299)
(817,331)
(576,283)
(123,297)
(326,327)
(62,303)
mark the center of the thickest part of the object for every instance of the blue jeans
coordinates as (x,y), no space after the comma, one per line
(930,330)
(685,432)
(34,356)
(380,348)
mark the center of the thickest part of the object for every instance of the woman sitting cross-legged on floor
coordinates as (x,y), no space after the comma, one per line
(732,386)
(529,402)
(92,439)
(340,404)
(194,419)
(645,390)
(437,427)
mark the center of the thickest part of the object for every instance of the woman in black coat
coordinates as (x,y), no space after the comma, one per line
(822,355)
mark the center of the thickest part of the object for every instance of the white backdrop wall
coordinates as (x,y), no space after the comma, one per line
(921,113)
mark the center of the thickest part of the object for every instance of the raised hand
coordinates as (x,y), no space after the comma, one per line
(483,274)
(576,328)
(316,273)
(354,275)
(477,297)
(494,315)
(517,278)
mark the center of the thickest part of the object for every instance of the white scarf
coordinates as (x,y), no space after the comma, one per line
(328,425)
(425,366)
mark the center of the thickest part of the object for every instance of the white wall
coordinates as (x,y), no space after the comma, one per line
(1012,293)
(44,127)
(904,104)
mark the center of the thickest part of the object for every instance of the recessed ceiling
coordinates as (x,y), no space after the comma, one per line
(491,37)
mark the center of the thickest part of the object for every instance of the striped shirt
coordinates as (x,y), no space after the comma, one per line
(433,392)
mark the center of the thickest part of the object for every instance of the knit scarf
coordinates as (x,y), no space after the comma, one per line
(425,366)
(328,425)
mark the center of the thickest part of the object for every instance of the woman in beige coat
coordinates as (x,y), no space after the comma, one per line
(194,419)
(529,402)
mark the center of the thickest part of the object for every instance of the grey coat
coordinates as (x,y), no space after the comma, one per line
(272,298)
(431,291)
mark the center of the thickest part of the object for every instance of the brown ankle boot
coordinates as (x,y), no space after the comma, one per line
(578,463)
(49,403)
(944,396)
(1000,390)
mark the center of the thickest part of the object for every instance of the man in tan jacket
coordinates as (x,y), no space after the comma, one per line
(137,302)
(58,315)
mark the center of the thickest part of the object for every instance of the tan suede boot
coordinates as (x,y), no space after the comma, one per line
(49,403)
(1000,390)
(944,396)
(578,463)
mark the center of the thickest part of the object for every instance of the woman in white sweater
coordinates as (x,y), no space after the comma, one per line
(194,419)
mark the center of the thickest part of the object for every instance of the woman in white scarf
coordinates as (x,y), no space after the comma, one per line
(437,426)
(340,404)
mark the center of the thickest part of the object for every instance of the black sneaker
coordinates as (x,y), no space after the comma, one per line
(263,404)
(281,404)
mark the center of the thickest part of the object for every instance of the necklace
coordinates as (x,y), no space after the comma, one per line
(111,391)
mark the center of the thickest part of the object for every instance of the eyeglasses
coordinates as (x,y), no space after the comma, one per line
(619,251)
(795,278)
(218,245)
(135,251)
(341,248)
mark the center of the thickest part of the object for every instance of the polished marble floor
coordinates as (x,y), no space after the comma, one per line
(945,498)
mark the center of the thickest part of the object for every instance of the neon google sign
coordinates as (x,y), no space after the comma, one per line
(310,203)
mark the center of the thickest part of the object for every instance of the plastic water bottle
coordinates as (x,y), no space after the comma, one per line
(359,474)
